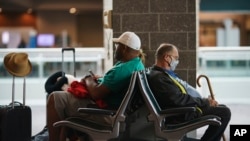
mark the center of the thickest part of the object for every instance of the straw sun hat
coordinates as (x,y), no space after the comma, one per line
(17,64)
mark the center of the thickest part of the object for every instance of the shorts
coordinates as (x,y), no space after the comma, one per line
(66,105)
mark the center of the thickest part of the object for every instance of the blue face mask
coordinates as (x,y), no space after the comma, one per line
(173,64)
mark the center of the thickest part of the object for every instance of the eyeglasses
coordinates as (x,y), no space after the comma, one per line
(175,57)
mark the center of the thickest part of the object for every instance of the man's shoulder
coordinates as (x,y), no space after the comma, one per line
(155,71)
(154,74)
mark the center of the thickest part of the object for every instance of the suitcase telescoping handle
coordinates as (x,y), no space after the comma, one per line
(74,60)
(13,91)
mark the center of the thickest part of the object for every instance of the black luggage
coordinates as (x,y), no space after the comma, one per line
(52,84)
(15,119)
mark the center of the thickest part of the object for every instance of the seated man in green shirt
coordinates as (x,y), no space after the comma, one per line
(110,87)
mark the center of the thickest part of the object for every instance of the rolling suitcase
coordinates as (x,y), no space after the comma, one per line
(52,83)
(43,135)
(15,119)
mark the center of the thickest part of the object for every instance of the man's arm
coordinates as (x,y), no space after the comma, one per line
(96,91)
(168,93)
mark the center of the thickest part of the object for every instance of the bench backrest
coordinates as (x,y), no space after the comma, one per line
(127,98)
(149,99)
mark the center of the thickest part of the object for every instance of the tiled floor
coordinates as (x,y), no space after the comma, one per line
(240,115)
(38,118)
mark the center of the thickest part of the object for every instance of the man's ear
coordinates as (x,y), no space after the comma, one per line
(166,58)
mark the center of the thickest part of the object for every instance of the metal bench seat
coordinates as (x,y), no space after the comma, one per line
(97,131)
(163,129)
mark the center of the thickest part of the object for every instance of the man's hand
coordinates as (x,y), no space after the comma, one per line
(212,102)
(84,78)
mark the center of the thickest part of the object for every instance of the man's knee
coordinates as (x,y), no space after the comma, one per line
(50,101)
(226,110)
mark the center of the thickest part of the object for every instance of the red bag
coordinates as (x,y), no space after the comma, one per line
(79,90)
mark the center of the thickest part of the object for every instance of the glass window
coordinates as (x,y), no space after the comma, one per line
(216,64)
(82,68)
(238,63)
(3,72)
(51,67)
(35,70)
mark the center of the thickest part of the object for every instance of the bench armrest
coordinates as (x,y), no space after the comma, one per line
(96,111)
(181,110)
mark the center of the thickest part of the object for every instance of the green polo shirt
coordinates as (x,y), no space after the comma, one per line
(117,80)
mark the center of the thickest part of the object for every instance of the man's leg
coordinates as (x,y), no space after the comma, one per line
(52,117)
(214,133)
(60,105)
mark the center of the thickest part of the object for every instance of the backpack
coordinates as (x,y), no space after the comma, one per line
(42,135)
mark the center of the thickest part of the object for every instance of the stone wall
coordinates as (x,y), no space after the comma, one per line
(159,21)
